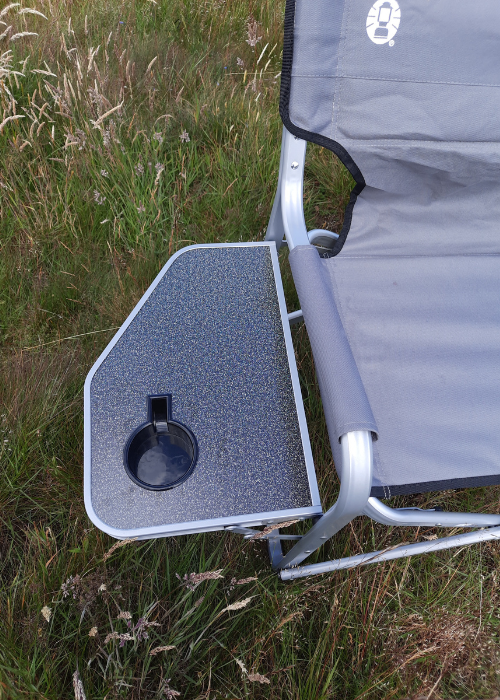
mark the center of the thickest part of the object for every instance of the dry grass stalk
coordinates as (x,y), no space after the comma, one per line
(238,605)
(287,619)
(78,687)
(124,615)
(451,638)
(8,8)
(252,677)
(4,34)
(30,11)
(9,119)
(242,666)
(157,650)
(101,119)
(244,580)
(193,580)
(168,692)
(252,32)
(258,678)
(116,546)
(150,65)
(20,35)
(114,636)
(270,528)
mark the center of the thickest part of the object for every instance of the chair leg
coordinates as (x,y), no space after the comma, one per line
(357,467)
(275,228)
(275,550)
(419,517)
(410,550)
(357,463)
(354,499)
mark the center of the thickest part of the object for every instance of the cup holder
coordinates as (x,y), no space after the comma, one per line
(162,453)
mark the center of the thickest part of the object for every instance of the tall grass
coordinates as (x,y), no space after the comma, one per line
(129,129)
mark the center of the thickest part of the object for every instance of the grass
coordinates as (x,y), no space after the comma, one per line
(91,206)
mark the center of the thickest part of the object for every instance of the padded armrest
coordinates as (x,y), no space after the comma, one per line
(345,402)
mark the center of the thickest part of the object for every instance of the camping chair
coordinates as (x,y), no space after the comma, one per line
(402,308)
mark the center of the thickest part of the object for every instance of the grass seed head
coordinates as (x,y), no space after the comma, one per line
(8,8)
(252,32)
(238,605)
(124,615)
(258,678)
(78,687)
(157,650)
(193,580)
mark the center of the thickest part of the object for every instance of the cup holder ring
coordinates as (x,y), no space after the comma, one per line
(161,454)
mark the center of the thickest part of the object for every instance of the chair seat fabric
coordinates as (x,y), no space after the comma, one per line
(425,336)
(407,94)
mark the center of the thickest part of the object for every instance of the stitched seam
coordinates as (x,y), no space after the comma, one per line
(338,86)
(438,485)
(366,424)
(441,255)
(403,143)
(392,80)
(418,82)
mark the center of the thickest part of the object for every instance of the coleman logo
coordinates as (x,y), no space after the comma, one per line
(383,21)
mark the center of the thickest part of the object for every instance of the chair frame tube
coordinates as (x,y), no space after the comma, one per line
(466,539)
(287,219)
(287,215)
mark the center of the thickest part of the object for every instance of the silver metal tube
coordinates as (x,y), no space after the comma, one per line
(426,518)
(386,555)
(320,236)
(275,551)
(287,215)
(357,466)
(275,230)
(295,317)
(292,189)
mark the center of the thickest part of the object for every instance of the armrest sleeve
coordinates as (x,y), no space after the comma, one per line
(345,402)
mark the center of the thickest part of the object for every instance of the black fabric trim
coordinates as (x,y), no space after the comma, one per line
(334,146)
(424,486)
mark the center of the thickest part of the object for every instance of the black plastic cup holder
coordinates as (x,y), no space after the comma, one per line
(162,453)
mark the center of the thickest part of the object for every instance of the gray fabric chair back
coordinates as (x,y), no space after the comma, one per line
(409,97)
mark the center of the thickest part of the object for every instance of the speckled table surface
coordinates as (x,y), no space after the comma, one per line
(211,335)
